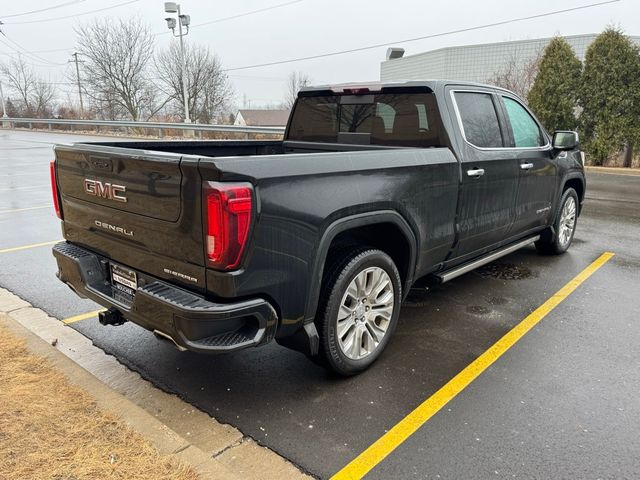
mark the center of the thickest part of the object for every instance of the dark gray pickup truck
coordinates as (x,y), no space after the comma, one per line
(313,240)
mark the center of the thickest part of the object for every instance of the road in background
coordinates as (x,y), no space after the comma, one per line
(561,403)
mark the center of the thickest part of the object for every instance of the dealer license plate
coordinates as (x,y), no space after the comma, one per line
(123,279)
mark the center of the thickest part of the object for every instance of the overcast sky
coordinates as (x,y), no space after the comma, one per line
(303,28)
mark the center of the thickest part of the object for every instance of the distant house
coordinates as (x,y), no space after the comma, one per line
(262,118)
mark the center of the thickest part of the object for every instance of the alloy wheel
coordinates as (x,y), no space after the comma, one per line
(365,313)
(567,221)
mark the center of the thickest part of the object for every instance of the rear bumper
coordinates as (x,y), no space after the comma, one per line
(191,321)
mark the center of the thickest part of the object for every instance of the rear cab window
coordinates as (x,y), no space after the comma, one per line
(391,119)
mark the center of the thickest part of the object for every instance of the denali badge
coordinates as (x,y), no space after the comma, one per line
(542,210)
(114,228)
(105,190)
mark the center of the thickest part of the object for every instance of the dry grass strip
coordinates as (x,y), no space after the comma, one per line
(50,429)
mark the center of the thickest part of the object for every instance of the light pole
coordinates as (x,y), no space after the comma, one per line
(183,21)
(4,105)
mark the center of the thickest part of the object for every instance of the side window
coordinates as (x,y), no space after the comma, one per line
(387,115)
(423,120)
(526,132)
(479,119)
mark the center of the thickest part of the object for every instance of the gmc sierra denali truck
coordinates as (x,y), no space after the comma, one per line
(313,240)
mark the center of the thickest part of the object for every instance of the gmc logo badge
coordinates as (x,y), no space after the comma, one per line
(105,190)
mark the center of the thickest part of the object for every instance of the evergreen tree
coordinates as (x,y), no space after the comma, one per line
(554,94)
(610,96)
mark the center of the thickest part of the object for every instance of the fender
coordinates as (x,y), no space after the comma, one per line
(570,175)
(347,223)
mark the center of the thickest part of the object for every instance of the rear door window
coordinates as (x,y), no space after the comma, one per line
(479,119)
(526,132)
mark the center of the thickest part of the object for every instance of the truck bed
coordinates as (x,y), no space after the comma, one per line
(236,148)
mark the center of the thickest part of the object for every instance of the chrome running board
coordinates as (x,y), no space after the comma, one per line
(467,267)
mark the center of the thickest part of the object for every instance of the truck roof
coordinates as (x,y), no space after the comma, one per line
(377,85)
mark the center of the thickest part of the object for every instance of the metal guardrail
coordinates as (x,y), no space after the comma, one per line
(160,126)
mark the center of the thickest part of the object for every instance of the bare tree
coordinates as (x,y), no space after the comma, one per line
(20,78)
(208,91)
(517,74)
(36,96)
(295,82)
(117,55)
(43,97)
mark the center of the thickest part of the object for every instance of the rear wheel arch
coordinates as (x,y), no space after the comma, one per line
(380,230)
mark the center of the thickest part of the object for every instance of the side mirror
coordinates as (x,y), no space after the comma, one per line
(565,140)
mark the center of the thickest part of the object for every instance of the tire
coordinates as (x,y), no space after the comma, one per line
(359,307)
(564,226)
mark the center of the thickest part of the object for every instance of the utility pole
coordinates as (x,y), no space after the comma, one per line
(75,60)
(183,21)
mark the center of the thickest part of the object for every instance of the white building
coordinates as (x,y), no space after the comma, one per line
(474,63)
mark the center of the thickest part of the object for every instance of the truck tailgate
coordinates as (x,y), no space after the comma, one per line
(136,207)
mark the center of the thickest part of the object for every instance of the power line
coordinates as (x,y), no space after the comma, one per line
(70,84)
(42,51)
(31,63)
(258,77)
(252,12)
(260,10)
(74,15)
(51,50)
(60,5)
(24,51)
(239,15)
(415,39)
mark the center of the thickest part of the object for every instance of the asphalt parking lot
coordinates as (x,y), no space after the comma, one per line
(561,403)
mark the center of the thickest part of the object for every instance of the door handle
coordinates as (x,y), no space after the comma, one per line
(526,166)
(475,172)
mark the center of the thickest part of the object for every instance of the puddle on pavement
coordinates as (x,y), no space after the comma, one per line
(478,310)
(497,301)
(505,271)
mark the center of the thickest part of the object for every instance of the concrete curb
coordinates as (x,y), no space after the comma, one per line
(174,427)
(631,172)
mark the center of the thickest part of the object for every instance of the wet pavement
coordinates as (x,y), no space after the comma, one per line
(562,403)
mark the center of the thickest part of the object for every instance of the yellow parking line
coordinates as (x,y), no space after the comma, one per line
(386,444)
(82,316)
(25,247)
(26,208)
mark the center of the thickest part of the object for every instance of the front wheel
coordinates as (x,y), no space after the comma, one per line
(564,226)
(360,304)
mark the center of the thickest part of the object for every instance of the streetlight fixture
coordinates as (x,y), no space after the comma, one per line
(183,21)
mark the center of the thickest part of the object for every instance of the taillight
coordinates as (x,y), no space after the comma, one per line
(228,208)
(54,189)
